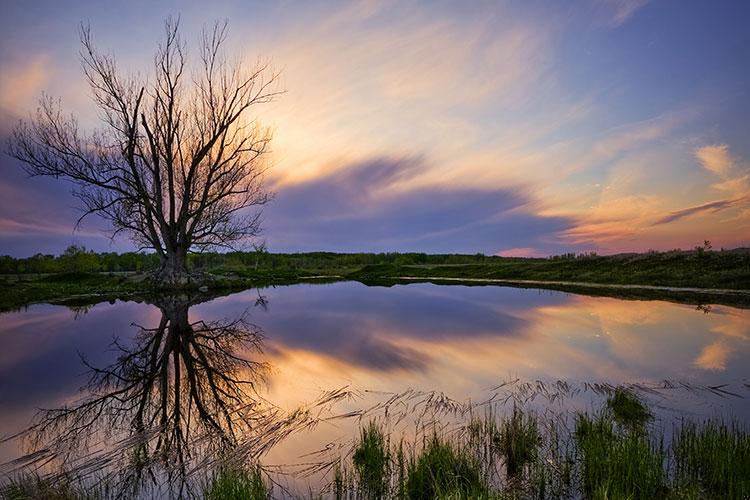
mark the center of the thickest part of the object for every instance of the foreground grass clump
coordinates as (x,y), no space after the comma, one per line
(33,487)
(235,483)
(618,464)
(628,409)
(714,459)
(372,461)
(444,470)
(614,453)
(518,441)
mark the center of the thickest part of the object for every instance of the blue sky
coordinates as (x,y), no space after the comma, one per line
(519,128)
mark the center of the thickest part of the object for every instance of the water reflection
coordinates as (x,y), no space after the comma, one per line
(177,392)
(189,387)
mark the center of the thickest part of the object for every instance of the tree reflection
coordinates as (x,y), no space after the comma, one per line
(179,391)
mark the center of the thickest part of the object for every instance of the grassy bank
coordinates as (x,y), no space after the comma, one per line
(617,452)
(697,268)
(727,269)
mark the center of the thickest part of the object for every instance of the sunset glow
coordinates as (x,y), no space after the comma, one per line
(518,129)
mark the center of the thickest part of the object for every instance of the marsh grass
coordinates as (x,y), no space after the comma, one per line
(236,483)
(444,470)
(628,409)
(518,441)
(712,458)
(372,461)
(615,452)
(64,487)
(618,463)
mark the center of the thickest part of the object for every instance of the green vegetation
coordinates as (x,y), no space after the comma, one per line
(713,459)
(78,272)
(32,486)
(444,470)
(618,463)
(728,269)
(233,483)
(616,453)
(518,441)
(627,408)
(371,460)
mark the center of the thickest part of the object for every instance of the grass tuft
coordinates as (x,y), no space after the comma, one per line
(628,409)
(234,483)
(443,470)
(618,465)
(713,458)
(372,461)
(518,441)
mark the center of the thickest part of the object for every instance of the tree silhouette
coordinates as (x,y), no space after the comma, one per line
(179,162)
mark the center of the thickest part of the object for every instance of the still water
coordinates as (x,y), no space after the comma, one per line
(174,370)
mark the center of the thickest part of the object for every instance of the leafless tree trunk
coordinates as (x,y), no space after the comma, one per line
(178,164)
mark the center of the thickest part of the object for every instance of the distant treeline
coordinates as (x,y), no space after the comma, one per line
(79,259)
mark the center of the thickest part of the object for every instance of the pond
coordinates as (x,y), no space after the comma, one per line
(285,372)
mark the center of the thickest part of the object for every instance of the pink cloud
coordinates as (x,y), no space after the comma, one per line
(522,252)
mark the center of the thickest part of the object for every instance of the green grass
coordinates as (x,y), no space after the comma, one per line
(33,487)
(728,269)
(515,456)
(444,470)
(628,409)
(702,269)
(518,441)
(618,464)
(372,461)
(713,458)
(233,483)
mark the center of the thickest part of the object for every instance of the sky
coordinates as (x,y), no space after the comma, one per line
(512,128)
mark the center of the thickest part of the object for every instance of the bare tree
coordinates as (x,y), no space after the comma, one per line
(179,164)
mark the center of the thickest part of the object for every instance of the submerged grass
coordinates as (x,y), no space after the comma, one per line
(519,441)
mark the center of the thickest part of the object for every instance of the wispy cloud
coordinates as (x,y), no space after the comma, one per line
(619,11)
(716,158)
(713,206)
(364,207)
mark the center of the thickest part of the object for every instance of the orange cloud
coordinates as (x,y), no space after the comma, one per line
(20,85)
(714,356)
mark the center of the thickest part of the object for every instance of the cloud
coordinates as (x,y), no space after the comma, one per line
(21,83)
(364,207)
(619,11)
(714,206)
(522,252)
(716,159)
(714,356)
